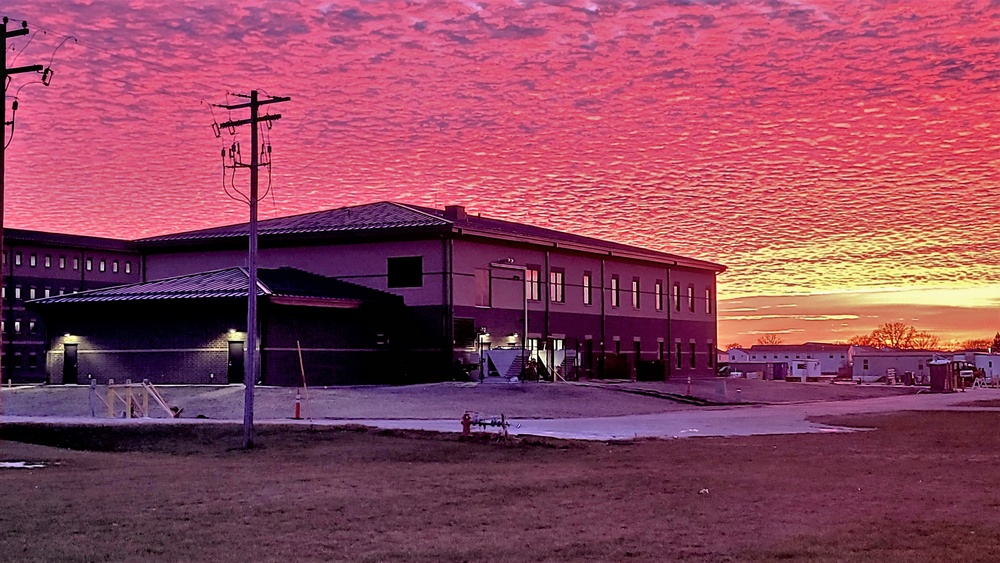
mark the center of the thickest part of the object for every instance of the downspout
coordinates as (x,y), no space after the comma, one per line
(549,354)
(604,335)
(670,342)
(450,322)
(9,313)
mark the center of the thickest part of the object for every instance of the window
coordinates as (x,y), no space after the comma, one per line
(31,293)
(588,296)
(557,286)
(32,327)
(483,287)
(711,355)
(17,292)
(865,364)
(103,265)
(658,291)
(128,267)
(62,262)
(532,283)
(17,326)
(3,292)
(680,361)
(17,258)
(18,360)
(90,264)
(677,296)
(405,271)
(33,360)
(615,298)
(48,292)
(635,293)
(660,350)
(618,347)
(690,298)
(114,266)
(693,358)
(76,263)
(33,260)
(464,332)
(48,261)
(708,301)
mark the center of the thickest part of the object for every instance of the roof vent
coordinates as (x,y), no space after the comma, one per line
(456,212)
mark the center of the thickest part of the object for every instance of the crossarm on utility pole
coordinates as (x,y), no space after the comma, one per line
(239,122)
(20,69)
(272,100)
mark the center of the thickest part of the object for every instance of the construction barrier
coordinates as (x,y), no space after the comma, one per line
(131,398)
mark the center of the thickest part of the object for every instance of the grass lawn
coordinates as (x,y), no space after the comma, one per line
(917,489)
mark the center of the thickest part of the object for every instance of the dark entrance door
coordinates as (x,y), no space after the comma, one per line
(69,363)
(236,362)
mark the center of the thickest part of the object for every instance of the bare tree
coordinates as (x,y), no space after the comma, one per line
(897,335)
(925,341)
(976,344)
(769,338)
(894,335)
(995,347)
(863,340)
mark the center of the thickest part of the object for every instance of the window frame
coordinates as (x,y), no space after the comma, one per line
(399,272)
(557,285)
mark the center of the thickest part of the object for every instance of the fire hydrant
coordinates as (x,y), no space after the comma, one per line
(466,424)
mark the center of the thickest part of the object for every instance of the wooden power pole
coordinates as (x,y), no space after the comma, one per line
(251,367)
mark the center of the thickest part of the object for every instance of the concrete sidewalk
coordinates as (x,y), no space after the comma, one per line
(706,421)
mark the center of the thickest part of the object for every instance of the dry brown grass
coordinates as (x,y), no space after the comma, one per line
(919,488)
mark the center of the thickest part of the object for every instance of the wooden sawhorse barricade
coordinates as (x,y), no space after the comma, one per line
(132,398)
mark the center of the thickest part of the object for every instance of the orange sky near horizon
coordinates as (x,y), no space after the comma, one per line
(841,158)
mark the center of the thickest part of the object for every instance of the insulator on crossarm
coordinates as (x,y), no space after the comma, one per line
(47,76)
(216,131)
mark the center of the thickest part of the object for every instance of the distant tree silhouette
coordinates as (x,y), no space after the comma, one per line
(976,344)
(897,335)
(769,338)
(738,345)
(995,347)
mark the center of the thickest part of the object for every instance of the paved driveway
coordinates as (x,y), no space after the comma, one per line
(744,420)
(714,421)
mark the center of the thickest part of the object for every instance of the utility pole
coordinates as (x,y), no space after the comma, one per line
(4,74)
(251,367)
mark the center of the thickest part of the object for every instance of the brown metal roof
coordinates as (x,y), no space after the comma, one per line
(370,217)
(388,217)
(229,283)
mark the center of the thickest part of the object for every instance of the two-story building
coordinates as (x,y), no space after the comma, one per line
(579,305)
(39,265)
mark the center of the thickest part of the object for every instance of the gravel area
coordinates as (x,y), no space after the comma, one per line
(442,400)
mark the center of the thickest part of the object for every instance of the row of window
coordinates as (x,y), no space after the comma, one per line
(88,264)
(32,293)
(557,290)
(19,326)
(683,354)
(19,360)
(797,357)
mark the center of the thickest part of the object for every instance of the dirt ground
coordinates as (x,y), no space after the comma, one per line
(442,400)
(915,489)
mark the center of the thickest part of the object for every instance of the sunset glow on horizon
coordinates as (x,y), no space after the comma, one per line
(840,158)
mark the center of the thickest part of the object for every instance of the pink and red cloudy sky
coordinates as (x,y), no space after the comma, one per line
(841,157)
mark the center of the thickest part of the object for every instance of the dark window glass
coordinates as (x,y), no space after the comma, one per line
(406,271)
